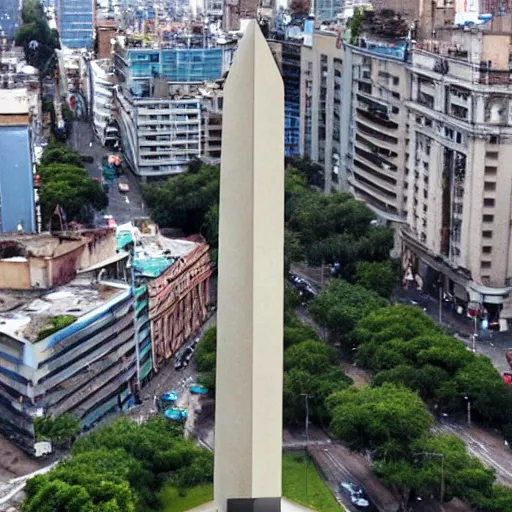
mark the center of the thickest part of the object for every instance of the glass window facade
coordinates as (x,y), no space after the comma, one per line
(75,21)
(9,17)
(175,65)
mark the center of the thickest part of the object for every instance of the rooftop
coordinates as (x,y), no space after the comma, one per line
(25,315)
(13,101)
(38,246)
(153,252)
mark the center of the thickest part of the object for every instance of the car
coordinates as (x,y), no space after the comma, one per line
(124,187)
(356,495)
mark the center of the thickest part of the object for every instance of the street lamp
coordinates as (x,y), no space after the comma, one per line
(306,398)
(466,397)
(441,456)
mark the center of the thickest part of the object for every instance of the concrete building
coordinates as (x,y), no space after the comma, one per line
(100,91)
(212,98)
(159,136)
(75,22)
(288,58)
(86,368)
(17,208)
(31,262)
(81,331)
(106,30)
(139,68)
(161,100)
(423,140)
(237,10)
(458,183)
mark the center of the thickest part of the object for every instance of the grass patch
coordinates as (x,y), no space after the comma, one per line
(319,497)
(175,500)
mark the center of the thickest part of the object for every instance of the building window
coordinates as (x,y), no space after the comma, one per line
(486,234)
(395,110)
(491,154)
(491,171)
(485,264)
(487,249)
(396,80)
(489,202)
(488,218)
(494,139)
(395,95)
(489,185)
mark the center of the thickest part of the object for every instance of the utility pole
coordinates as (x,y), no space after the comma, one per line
(441,456)
(307,397)
(440,303)
(468,409)
(474,333)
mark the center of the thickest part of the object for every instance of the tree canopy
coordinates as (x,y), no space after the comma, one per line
(386,420)
(39,41)
(65,182)
(334,228)
(121,468)
(340,305)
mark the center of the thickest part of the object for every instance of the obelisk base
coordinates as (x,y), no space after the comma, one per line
(254,505)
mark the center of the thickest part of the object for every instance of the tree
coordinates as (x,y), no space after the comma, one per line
(183,201)
(340,305)
(386,420)
(57,153)
(313,172)
(38,40)
(393,322)
(206,358)
(61,429)
(70,187)
(376,276)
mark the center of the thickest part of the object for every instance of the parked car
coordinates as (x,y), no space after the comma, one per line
(184,358)
(356,495)
(124,187)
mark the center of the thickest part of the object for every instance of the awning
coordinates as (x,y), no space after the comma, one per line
(105,263)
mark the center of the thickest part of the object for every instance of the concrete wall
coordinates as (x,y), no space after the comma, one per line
(14,275)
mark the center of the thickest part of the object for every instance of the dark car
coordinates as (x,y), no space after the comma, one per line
(358,498)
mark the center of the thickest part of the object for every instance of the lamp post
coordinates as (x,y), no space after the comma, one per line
(306,398)
(441,456)
(466,397)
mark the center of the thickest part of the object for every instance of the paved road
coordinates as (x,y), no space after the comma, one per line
(486,445)
(123,207)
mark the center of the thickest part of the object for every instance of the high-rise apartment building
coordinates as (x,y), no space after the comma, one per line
(236,10)
(17,208)
(159,135)
(75,22)
(159,105)
(423,135)
(9,17)
(288,57)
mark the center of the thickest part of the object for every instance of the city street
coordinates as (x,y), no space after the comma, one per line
(123,207)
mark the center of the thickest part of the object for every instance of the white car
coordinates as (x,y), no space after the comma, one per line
(356,495)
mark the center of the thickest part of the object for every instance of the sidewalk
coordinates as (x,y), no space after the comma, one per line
(459,323)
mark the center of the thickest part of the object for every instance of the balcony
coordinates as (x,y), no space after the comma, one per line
(385,140)
(377,118)
(375,192)
(375,177)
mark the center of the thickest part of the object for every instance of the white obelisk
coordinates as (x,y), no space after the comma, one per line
(248,419)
